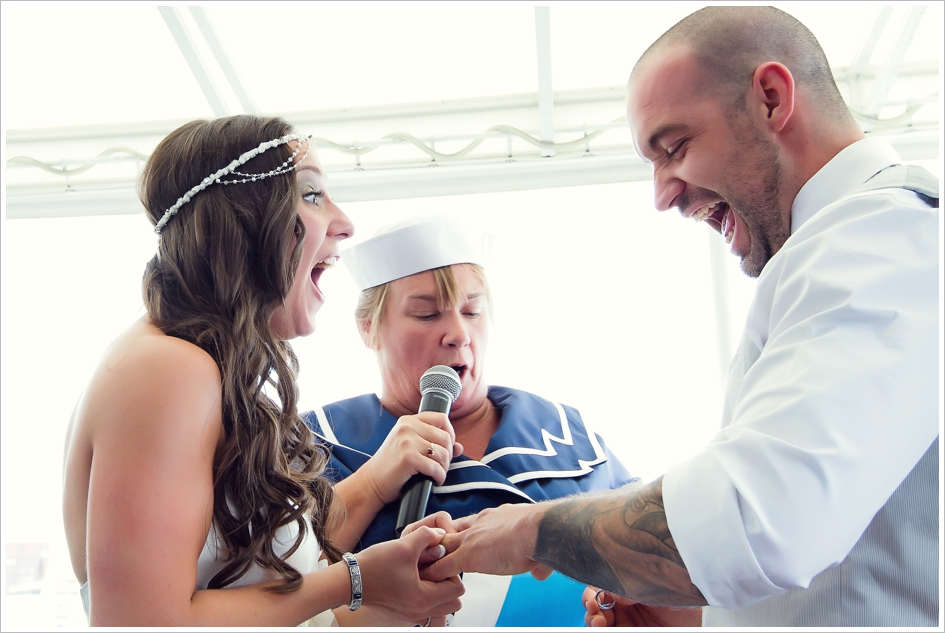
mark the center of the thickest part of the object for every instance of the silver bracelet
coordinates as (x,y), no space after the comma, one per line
(355,573)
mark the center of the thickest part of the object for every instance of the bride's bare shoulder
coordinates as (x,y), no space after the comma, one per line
(145,373)
(145,343)
(144,354)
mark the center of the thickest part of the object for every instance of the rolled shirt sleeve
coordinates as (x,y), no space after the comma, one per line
(831,401)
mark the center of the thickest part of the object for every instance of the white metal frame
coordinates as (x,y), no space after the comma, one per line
(551,139)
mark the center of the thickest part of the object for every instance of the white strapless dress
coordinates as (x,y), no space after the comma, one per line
(305,559)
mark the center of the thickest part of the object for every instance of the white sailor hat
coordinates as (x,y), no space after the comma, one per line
(413,246)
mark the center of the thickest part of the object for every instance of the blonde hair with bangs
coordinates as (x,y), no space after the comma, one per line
(372,301)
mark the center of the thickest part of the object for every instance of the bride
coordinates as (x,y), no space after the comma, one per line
(193,491)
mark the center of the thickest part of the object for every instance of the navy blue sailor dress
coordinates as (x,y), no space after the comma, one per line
(541,450)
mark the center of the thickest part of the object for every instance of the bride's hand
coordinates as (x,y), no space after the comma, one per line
(390,577)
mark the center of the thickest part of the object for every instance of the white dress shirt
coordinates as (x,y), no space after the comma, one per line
(830,403)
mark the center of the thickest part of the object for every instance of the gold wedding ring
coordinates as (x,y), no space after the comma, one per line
(431,452)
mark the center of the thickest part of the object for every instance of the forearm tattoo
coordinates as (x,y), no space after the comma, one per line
(618,541)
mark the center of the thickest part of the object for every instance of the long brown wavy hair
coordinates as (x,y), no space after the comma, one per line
(224,263)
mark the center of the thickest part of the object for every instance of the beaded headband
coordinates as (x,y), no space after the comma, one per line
(289,165)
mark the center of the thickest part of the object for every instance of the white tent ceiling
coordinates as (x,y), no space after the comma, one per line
(522,97)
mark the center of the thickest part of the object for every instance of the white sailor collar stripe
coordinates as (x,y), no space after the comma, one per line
(480,485)
(532,452)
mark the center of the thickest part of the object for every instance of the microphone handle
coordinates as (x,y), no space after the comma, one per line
(413,505)
(436,400)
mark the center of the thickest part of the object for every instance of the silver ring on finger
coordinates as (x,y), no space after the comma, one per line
(604,606)
(427,623)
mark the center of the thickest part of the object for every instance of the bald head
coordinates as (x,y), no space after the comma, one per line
(729,43)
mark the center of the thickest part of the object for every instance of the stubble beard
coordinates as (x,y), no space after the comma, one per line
(758,203)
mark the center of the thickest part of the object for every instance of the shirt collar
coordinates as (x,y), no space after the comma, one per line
(854,165)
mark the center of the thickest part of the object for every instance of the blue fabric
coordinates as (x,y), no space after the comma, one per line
(555,601)
(534,455)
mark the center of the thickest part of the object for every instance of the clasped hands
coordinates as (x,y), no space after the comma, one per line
(464,547)
(501,541)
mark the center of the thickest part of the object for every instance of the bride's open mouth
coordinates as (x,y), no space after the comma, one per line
(321,267)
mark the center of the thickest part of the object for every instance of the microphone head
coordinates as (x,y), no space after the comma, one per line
(441,378)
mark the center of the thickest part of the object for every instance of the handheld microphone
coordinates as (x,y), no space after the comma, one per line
(439,388)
